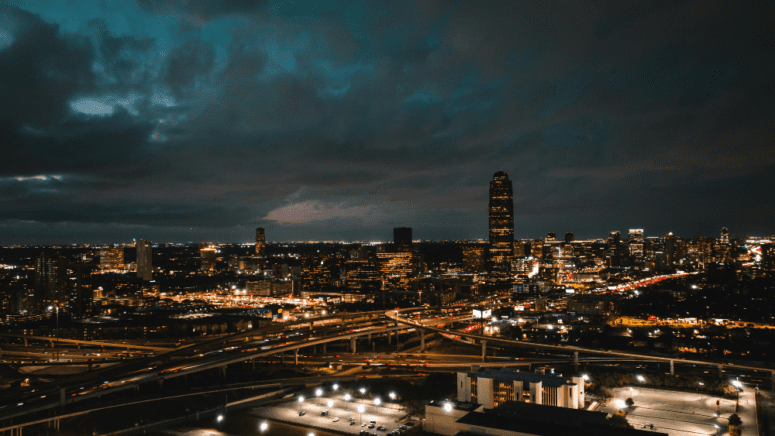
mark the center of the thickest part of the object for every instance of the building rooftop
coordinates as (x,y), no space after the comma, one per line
(507,374)
(545,421)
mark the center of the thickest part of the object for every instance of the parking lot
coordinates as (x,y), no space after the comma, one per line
(677,413)
(387,415)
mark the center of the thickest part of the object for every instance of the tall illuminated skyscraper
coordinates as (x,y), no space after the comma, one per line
(501,225)
(260,242)
(144,264)
(635,242)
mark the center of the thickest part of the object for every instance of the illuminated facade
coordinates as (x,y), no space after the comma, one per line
(501,226)
(112,259)
(144,260)
(473,258)
(493,387)
(207,258)
(396,268)
(260,242)
(635,242)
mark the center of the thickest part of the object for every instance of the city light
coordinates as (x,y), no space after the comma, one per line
(641,378)
(620,404)
(318,392)
(392,395)
(220,418)
(447,407)
(586,377)
(264,426)
(330,403)
(361,408)
(335,387)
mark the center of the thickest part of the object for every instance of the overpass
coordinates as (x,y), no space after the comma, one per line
(484,340)
(79,342)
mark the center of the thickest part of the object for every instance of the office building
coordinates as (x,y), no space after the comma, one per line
(635,242)
(112,259)
(670,249)
(50,281)
(207,258)
(402,238)
(569,237)
(473,258)
(724,238)
(501,208)
(260,242)
(144,260)
(493,387)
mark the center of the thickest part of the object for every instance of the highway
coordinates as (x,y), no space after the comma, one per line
(217,353)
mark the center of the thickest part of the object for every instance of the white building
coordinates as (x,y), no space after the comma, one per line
(493,387)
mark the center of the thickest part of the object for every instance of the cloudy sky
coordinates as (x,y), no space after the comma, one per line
(193,120)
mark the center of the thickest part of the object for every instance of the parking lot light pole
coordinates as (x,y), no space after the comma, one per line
(347,398)
(377,402)
(361,409)
(301,400)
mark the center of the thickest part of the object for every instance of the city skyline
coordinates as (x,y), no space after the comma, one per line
(198,121)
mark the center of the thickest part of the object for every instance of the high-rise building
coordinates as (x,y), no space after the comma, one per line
(724,239)
(473,258)
(50,281)
(260,242)
(402,238)
(144,260)
(501,226)
(635,242)
(207,256)
(569,237)
(614,238)
(670,241)
(112,259)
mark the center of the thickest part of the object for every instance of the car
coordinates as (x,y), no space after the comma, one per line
(372,425)
(336,419)
(381,428)
(302,413)
(324,413)
(363,425)
(352,423)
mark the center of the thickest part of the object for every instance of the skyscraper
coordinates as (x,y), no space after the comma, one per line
(635,242)
(724,239)
(501,225)
(144,265)
(260,242)
(402,238)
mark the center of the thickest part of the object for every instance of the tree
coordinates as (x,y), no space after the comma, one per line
(629,402)
(618,421)
(735,420)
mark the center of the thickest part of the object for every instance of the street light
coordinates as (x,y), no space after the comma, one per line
(330,403)
(57,337)
(335,387)
(377,402)
(586,377)
(219,419)
(347,398)
(264,426)
(361,409)
(301,400)
(318,392)
(641,378)
(362,391)
(447,407)
(392,395)
(620,404)
(738,387)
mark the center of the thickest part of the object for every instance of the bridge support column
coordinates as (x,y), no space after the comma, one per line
(576,362)
(422,341)
(720,371)
(352,345)
(672,367)
(296,356)
(62,396)
(484,350)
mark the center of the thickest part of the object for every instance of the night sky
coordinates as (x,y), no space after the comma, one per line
(189,120)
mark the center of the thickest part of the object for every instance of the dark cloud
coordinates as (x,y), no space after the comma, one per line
(217,116)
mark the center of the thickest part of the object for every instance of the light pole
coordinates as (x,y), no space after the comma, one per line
(263,427)
(363,392)
(57,334)
(330,404)
(377,402)
(392,396)
(347,398)
(301,400)
(335,387)
(219,419)
(360,413)
(738,386)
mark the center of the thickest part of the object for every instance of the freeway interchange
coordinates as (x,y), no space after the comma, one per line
(23,404)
